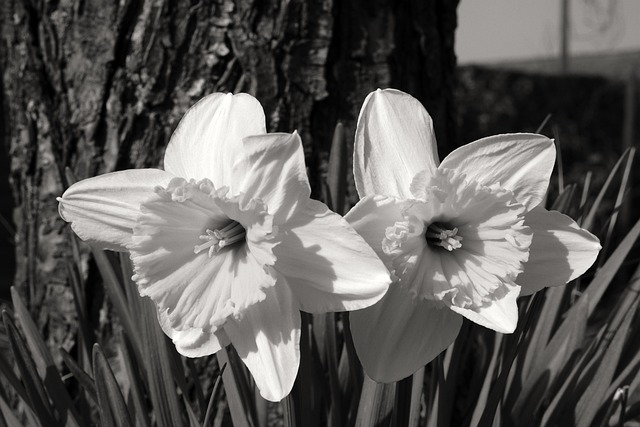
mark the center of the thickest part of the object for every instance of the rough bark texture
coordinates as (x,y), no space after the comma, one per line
(100,85)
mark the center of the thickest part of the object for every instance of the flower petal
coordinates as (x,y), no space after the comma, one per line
(499,314)
(208,139)
(193,342)
(272,168)
(394,141)
(328,265)
(103,210)
(371,216)
(267,339)
(398,336)
(200,289)
(519,162)
(560,251)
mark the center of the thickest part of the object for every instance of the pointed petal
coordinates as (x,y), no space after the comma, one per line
(272,168)
(193,342)
(267,339)
(499,314)
(371,216)
(328,265)
(398,336)
(103,210)
(519,162)
(208,139)
(394,141)
(560,251)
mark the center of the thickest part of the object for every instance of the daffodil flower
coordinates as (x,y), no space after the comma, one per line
(226,241)
(464,237)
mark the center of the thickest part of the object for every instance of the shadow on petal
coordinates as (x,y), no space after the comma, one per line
(328,265)
(560,251)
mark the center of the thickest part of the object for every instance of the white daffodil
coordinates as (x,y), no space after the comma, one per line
(464,237)
(226,241)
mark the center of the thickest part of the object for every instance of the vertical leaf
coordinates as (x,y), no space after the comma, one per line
(34,389)
(337,172)
(111,405)
(619,199)
(159,376)
(132,369)
(208,418)
(591,401)
(83,378)
(44,364)
(416,398)
(9,419)
(376,403)
(591,215)
(114,289)
(605,275)
(237,390)
(332,367)
(568,340)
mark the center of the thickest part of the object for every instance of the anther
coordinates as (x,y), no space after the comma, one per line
(217,239)
(437,235)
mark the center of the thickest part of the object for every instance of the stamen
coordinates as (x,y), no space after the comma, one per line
(438,235)
(217,239)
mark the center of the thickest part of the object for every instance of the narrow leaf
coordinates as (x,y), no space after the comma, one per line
(131,365)
(591,401)
(565,343)
(208,418)
(235,386)
(114,289)
(9,420)
(544,326)
(619,199)
(44,363)
(337,170)
(111,405)
(83,378)
(605,275)
(589,219)
(37,397)
(376,403)
(157,361)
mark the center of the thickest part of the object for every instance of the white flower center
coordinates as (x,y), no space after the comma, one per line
(217,239)
(429,256)
(440,235)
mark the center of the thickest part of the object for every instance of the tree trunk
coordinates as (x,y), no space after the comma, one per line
(100,85)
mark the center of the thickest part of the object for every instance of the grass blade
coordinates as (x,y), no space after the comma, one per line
(566,342)
(159,374)
(376,403)
(595,394)
(111,404)
(44,364)
(133,371)
(236,388)
(618,203)
(416,398)
(605,275)
(337,170)
(589,219)
(7,418)
(208,418)
(83,378)
(332,365)
(117,297)
(34,389)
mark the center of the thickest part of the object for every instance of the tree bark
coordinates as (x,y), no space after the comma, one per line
(100,85)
